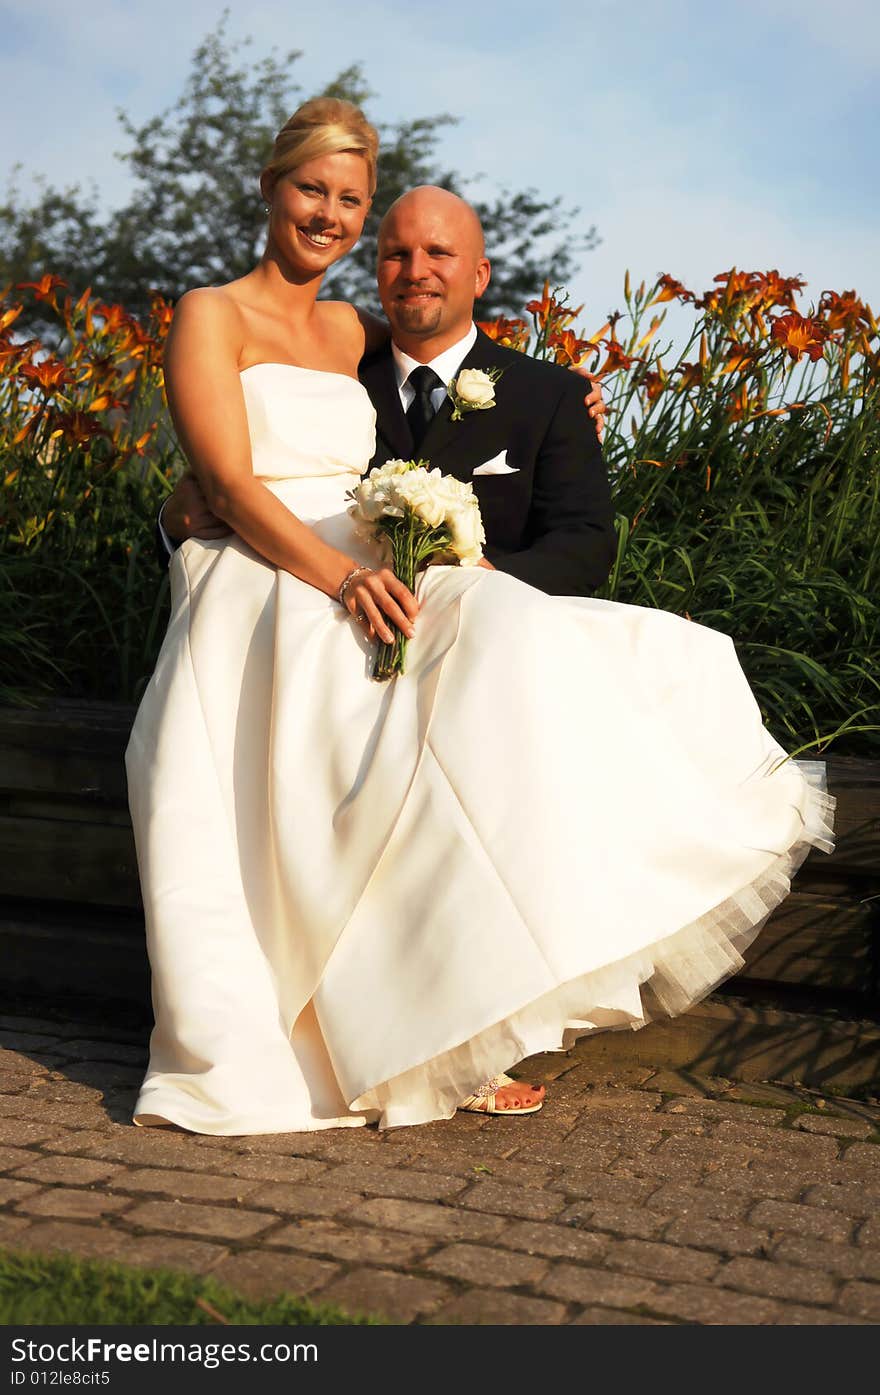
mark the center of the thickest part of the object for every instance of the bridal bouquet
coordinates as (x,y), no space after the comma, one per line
(425,516)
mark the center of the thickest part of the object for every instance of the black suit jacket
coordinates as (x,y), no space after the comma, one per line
(550,524)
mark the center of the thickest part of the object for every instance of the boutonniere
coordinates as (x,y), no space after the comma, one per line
(473,391)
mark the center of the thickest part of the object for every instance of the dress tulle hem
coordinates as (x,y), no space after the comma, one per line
(663,980)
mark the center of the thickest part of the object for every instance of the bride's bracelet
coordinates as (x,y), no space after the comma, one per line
(347,581)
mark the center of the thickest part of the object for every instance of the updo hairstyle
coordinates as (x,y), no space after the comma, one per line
(322,126)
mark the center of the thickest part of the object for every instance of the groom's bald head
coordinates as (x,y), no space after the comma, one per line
(432,265)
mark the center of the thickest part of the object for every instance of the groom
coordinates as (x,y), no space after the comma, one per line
(532,456)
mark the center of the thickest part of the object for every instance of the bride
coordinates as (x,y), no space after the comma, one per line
(364,902)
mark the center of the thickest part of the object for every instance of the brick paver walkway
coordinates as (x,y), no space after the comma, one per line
(633,1197)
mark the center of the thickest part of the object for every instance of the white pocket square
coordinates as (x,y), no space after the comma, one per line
(496,466)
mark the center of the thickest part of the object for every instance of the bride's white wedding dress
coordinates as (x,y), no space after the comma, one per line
(363,899)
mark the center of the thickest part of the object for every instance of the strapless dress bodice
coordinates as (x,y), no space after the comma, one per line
(305,423)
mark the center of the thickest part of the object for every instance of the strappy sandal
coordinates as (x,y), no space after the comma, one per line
(483,1099)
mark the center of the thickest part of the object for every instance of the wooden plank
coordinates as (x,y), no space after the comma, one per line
(65,860)
(68,749)
(52,958)
(818,942)
(729,1038)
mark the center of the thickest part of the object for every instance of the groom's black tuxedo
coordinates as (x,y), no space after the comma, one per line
(550,523)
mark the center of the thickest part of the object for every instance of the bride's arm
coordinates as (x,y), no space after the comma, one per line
(207,406)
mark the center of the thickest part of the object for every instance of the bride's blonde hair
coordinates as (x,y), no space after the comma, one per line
(322,126)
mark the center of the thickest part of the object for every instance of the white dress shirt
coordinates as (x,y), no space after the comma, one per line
(445,365)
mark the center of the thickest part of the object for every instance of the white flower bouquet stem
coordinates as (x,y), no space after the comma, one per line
(423,516)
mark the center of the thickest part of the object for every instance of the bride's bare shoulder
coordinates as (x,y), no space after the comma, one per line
(364,331)
(209,313)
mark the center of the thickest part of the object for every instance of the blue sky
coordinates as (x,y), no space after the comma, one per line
(695,135)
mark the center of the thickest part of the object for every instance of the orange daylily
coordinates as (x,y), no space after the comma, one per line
(49,375)
(44,289)
(691,375)
(798,334)
(616,358)
(512,333)
(844,311)
(567,348)
(9,317)
(670,289)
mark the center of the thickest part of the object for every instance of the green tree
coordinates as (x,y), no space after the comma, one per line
(196,217)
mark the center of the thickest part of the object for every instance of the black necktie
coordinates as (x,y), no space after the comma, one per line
(420,412)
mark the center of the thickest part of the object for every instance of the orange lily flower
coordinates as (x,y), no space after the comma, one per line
(670,289)
(48,375)
(798,334)
(512,333)
(567,348)
(44,289)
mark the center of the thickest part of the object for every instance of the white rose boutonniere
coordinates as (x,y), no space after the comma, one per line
(473,391)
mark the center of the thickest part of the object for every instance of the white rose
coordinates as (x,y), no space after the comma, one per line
(416,490)
(475,387)
(468,536)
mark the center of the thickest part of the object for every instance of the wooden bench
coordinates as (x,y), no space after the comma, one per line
(70,908)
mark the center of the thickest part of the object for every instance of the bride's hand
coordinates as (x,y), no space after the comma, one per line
(375,597)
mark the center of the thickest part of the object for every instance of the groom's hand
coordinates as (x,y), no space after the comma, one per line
(185,513)
(595,401)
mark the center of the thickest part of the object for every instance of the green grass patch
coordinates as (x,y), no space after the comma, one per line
(59,1289)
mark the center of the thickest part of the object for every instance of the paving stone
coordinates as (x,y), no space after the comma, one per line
(791,1143)
(507,1170)
(726,1109)
(598,1186)
(794,1316)
(401,1298)
(777,1280)
(66,1171)
(181,1218)
(351,1244)
(802,1220)
(839,1128)
(12,1190)
(45,1111)
(168,1252)
(479,1264)
(72,1203)
(861,1299)
(710,1306)
(554,1241)
(196,1186)
(656,1260)
(423,1218)
(495,1197)
(848,1261)
(395,1182)
(613,1317)
(710,1154)
(306,1200)
(12,1229)
(259,1275)
(593,1157)
(725,1237)
(683,1082)
(11,1158)
(268,1169)
(15,1084)
(156,1147)
(544,1067)
(869,1233)
(17,1063)
(90,1241)
(647,1100)
(631,1222)
(592,1071)
(852,1200)
(695,1202)
(580,1284)
(491,1306)
(21,1131)
(865,1156)
(783,1095)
